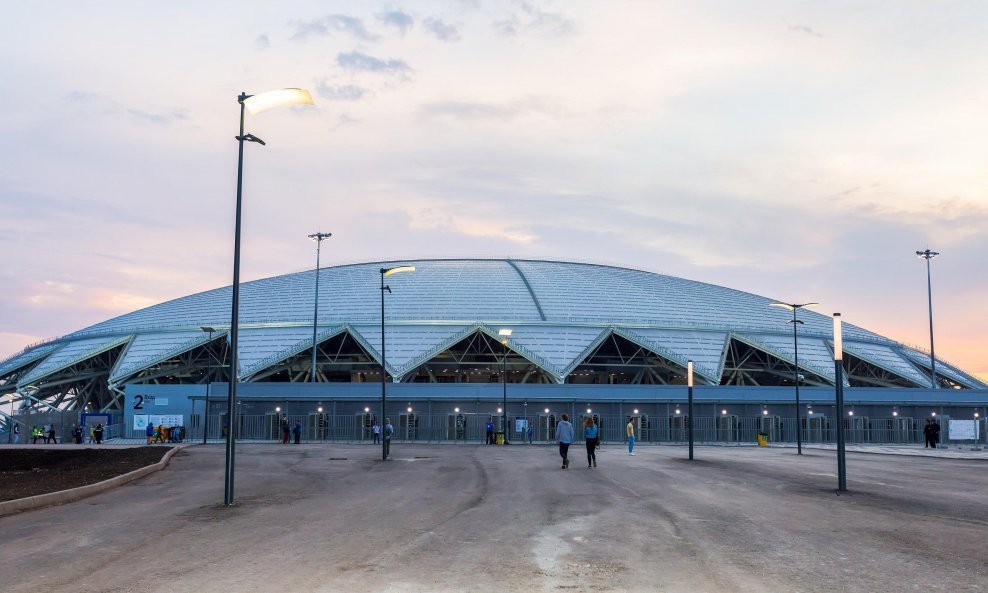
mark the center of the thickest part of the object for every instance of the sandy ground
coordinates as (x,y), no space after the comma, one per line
(475,518)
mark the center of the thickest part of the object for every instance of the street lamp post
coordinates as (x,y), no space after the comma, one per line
(209,372)
(839,393)
(384,394)
(795,348)
(928,255)
(255,104)
(318,238)
(504,334)
(689,404)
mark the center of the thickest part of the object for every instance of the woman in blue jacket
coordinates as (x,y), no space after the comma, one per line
(590,433)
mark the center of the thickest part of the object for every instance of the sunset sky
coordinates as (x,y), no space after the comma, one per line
(800,150)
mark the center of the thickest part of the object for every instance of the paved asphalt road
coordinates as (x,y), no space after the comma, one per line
(508,519)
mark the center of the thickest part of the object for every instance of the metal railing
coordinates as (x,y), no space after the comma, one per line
(471,428)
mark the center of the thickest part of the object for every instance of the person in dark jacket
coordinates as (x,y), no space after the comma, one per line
(297,431)
(928,435)
(936,433)
(98,433)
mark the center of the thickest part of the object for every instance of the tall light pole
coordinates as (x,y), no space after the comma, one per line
(318,238)
(504,333)
(689,405)
(255,104)
(795,348)
(839,393)
(384,394)
(928,255)
(209,372)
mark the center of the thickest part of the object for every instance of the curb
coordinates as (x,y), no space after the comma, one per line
(9,507)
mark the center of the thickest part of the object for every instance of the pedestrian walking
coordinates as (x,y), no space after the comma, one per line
(928,435)
(284,431)
(298,431)
(936,434)
(17,433)
(531,433)
(149,432)
(590,434)
(92,434)
(77,434)
(564,434)
(388,431)
(631,436)
(98,433)
(376,431)
(35,435)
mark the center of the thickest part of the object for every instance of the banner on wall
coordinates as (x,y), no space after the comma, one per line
(962,430)
(141,420)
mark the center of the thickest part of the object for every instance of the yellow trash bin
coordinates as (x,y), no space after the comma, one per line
(763,439)
(499,438)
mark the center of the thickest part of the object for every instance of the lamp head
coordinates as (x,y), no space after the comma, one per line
(689,373)
(838,338)
(270,99)
(397,270)
(320,236)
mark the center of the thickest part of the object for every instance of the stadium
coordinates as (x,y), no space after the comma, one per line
(584,338)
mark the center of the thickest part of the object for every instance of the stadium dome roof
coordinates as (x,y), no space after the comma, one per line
(558,311)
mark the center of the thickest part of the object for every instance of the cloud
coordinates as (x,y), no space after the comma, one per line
(161,119)
(396,19)
(109,106)
(533,19)
(359,62)
(343,92)
(474,110)
(262,42)
(805,30)
(441,30)
(334,23)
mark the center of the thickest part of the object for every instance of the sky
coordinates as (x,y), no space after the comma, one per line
(799,150)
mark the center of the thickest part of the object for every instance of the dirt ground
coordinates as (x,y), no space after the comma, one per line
(26,471)
(447,519)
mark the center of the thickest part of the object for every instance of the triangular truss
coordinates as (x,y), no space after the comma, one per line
(704,348)
(884,357)
(261,347)
(72,353)
(815,354)
(147,350)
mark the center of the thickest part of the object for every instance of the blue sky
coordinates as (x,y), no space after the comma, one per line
(798,150)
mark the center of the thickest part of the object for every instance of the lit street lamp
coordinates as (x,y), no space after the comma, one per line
(318,238)
(795,347)
(255,104)
(209,372)
(839,393)
(384,394)
(689,405)
(504,333)
(928,255)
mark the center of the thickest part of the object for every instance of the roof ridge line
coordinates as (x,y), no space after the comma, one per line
(524,279)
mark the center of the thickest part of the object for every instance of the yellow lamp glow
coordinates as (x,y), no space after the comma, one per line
(270,99)
(399,269)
